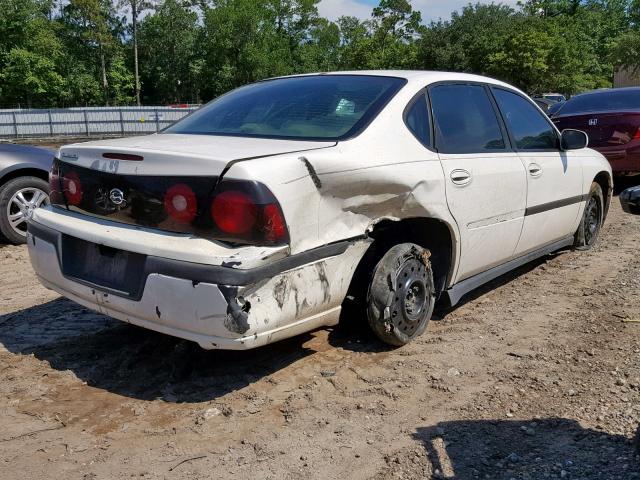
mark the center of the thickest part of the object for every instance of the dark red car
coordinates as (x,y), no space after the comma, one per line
(611,118)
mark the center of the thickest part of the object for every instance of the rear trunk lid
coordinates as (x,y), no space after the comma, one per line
(609,129)
(169,154)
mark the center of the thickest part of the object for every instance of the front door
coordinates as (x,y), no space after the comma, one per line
(554,178)
(486,183)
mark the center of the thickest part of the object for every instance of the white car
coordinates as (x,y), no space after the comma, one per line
(264,213)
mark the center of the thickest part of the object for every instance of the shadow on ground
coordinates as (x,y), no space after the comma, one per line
(536,449)
(146,365)
(135,362)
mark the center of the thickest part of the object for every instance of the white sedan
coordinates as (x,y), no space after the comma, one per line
(269,210)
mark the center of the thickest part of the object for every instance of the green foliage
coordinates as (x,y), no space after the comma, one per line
(549,45)
(169,54)
(83,52)
(91,34)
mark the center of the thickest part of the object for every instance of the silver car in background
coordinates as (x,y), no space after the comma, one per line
(24,186)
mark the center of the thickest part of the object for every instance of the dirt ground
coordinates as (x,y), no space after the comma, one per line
(535,376)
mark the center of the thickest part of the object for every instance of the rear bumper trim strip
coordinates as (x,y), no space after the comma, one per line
(197,272)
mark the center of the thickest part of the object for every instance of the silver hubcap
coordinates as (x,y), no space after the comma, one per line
(22,205)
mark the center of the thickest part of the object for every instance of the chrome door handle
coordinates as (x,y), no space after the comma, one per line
(535,170)
(460,177)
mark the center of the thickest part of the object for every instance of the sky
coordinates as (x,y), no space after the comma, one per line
(430,9)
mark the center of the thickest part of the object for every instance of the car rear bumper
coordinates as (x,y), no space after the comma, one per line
(216,306)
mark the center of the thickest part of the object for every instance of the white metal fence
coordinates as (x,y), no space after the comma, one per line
(88,121)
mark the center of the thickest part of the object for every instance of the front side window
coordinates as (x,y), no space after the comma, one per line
(529,128)
(417,119)
(465,120)
(315,107)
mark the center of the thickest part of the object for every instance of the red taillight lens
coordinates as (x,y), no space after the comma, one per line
(71,188)
(637,135)
(275,228)
(180,203)
(234,212)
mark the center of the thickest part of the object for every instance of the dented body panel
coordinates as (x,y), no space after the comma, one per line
(332,195)
(215,315)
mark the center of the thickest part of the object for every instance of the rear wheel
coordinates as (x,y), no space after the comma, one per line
(401,294)
(592,218)
(18,198)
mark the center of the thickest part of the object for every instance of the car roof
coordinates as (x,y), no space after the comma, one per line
(607,90)
(418,76)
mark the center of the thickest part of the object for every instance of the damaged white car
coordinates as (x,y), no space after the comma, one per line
(264,213)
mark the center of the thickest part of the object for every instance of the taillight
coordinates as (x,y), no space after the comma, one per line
(180,203)
(637,135)
(240,212)
(234,212)
(247,212)
(72,188)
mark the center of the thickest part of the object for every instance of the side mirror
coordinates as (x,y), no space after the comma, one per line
(630,200)
(573,139)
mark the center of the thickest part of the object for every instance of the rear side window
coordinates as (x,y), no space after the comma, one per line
(417,120)
(465,120)
(529,128)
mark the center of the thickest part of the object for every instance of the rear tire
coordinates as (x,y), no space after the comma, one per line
(18,197)
(589,229)
(401,294)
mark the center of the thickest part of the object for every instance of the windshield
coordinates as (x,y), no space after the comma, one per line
(318,107)
(605,101)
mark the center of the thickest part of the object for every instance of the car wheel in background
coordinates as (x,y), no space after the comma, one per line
(18,198)
(401,294)
(592,219)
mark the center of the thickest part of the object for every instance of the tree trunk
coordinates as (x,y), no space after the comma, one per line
(105,81)
(134,17)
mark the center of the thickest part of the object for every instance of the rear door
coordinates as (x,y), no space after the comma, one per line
(554,178)
(486,184)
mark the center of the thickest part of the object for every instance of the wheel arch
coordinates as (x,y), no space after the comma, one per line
(434,234)
(605,181)
(23,171)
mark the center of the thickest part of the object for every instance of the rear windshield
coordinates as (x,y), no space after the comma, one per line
(318,107)
(610,100)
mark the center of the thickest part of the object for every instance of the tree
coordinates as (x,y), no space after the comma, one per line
(91,31)
(30,54)
(464,43)
(395,26)
(550,45)
(246,40)
(168,47)
(625,51)
(197,49)
(136,7)
(551,8)
(321,51)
